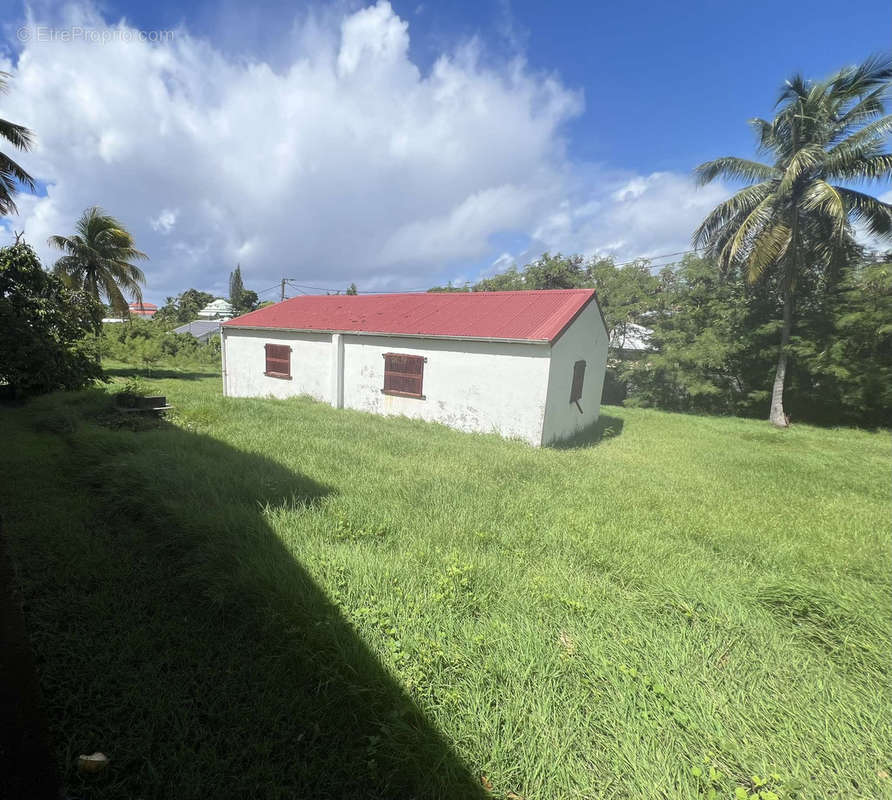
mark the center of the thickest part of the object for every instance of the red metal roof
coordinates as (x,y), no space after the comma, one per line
(143,309)
(537,315)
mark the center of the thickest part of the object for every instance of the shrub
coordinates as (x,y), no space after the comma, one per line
(47,332)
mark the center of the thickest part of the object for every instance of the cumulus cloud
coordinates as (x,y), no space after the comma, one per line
(630,216)
(165,221)
(343,162)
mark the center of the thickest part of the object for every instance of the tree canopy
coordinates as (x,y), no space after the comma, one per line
(12,176)
(47,331)
(98,259)
(797,213)
(242,300)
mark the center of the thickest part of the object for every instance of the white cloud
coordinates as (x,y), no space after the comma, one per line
(628,216)
(165,221)
(343,162)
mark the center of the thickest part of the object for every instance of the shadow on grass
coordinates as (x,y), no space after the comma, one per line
(160,372)
(176,632)
(605,428)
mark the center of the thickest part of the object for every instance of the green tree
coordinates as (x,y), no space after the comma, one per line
(705,326)
(352,290)
(546,272)
(98,259)
(849,367)
(47,332)
(626,294)
(183,308)
(12,176)
(242,300)
(797,214)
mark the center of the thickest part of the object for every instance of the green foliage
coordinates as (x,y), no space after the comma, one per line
(352,290)
(795,220)
(308,594)
(11,173)
(850,365)
(242,300)
(713,336)
(183,308)
(47,332)
(702,339)
(98,259)
(146,343)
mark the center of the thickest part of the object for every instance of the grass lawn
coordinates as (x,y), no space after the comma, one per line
(267,598)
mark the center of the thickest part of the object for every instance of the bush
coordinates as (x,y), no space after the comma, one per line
(47,332)
(147,343)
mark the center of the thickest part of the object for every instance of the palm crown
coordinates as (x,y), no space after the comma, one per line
(825,137)
(97,259)
(11,174)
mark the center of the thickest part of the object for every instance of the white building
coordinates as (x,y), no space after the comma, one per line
(217,309)
(524,364)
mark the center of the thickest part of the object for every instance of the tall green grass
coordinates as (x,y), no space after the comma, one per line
(276,599)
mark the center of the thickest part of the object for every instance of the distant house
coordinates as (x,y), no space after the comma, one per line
(526,364)
(201,329)
(140,309)
(217,309)
(630,340)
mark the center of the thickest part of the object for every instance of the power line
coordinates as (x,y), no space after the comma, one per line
(329,289)
(339,290)
(664,255)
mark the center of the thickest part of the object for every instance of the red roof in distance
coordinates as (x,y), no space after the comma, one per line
(142,309)
(535,315)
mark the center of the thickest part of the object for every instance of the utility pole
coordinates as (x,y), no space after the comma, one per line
(283,288)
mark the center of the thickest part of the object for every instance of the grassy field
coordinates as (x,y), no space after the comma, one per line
(268,598)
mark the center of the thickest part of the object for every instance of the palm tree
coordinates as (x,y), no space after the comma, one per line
(97,259)
(11,174)
(799,212)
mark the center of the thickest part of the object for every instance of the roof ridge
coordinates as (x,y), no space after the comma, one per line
(517,314)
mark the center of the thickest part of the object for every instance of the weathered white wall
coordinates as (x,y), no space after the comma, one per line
(517,390)
(245,364)
(586,340)
(472,386)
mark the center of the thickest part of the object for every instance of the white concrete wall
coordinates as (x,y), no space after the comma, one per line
(586,340)
(472,386)
(245,363)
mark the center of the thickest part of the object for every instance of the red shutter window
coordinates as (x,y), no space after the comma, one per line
(578,378)
(403,375)
(278,361)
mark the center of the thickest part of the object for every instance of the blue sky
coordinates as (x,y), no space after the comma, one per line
(634,96)
(678,80)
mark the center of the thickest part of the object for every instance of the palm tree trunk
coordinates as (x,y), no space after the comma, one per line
(777,415)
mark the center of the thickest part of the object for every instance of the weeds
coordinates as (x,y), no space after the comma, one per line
(277,599)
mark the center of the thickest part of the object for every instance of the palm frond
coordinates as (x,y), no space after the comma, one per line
(803,160)
(795,88)
(874,214)
(741,244)
(824,199)
(735,169)
(769,248)
(865,110)
(738,206)
(764,131)
(868,168)
(872,73)
(18,136)
(867,137)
